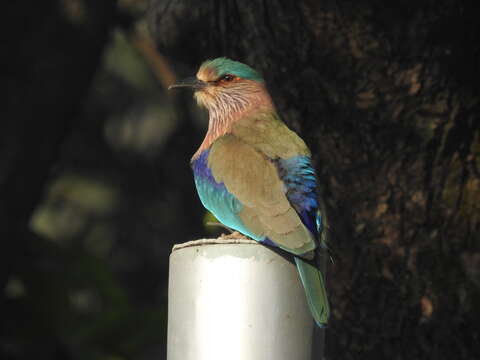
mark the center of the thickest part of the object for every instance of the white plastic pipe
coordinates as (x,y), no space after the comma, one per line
(236,300)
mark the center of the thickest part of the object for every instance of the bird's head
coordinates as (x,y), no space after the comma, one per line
(225,86)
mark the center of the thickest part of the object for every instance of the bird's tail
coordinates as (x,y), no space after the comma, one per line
(312,281)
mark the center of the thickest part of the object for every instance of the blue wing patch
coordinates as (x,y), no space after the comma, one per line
(301,187)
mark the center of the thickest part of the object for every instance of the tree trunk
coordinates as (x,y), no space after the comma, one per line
(387,99)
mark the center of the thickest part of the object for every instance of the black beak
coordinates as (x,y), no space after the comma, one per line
(192,82)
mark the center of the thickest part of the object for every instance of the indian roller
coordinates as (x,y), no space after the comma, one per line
(255,174)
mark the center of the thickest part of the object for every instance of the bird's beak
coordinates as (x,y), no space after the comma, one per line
(191,82)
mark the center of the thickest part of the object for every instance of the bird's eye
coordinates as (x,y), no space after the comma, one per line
(228,77)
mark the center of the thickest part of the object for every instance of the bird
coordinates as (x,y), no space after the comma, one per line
(256,175)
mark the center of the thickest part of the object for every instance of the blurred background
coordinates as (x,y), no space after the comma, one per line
(96,187)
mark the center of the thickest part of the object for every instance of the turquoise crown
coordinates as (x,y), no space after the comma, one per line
(223,66)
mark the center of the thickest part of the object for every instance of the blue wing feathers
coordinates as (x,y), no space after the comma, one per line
(203,172)
(300,182)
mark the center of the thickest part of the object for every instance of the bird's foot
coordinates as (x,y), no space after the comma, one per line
(233,235)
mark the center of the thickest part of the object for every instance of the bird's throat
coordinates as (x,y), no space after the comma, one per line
(225,110)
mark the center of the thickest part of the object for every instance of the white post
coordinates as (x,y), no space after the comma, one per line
(236,300)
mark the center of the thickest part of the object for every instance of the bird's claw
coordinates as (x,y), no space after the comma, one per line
(233,235)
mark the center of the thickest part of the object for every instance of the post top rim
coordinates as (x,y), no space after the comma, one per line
(218,241)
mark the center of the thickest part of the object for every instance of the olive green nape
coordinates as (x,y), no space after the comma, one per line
(223,65)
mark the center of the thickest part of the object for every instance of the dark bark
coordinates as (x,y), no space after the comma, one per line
(387,97)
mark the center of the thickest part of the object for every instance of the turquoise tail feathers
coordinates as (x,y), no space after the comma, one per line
(315,291)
